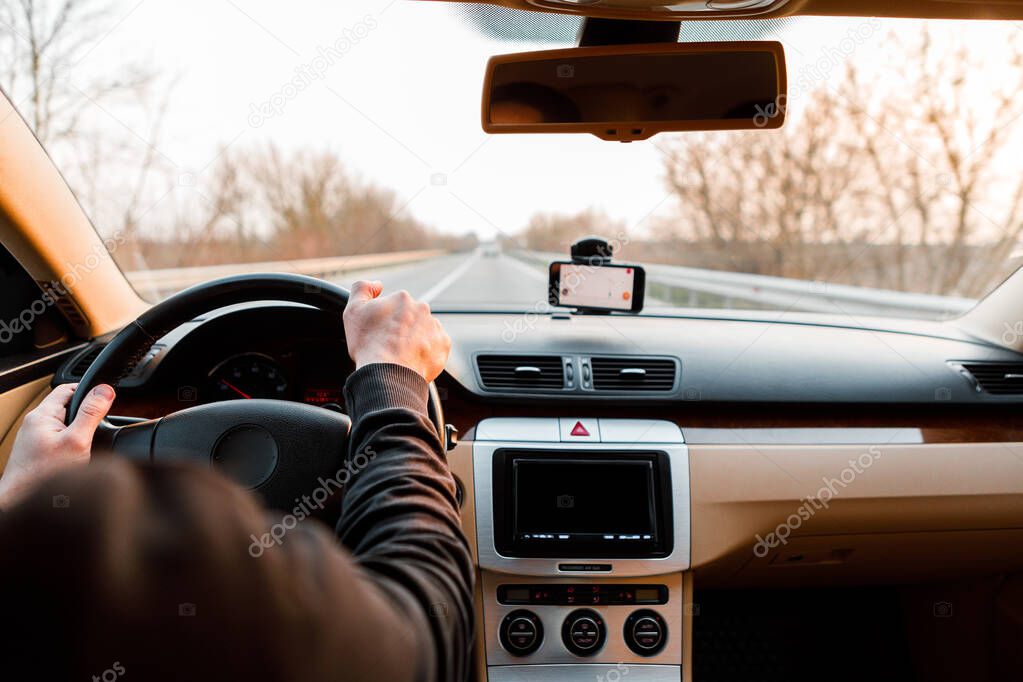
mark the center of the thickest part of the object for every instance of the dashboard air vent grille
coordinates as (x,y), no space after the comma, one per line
(543,372)
(83,361)
(998,378)
(65,304)
(633,374)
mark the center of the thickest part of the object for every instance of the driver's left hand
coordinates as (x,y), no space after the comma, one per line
(44,445)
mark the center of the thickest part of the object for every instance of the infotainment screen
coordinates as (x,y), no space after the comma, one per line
(590,498)
(582,505)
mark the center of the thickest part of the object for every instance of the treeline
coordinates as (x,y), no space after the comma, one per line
(266,204)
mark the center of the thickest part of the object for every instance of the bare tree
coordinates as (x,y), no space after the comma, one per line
(43,44)
(42,41)
(267,204)
(556,231)
(901,179)
(259,204)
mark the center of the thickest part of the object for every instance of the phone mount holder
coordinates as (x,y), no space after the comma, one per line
(592,250)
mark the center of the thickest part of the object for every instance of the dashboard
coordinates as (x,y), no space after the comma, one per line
(696,364)
(608,464)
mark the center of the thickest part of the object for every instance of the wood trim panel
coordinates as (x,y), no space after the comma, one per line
(719,423)
(937,423)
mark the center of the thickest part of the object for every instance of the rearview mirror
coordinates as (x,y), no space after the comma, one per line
(631,92)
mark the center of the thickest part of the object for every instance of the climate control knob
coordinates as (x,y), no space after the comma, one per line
(645,632)
(583,632)
(521,632)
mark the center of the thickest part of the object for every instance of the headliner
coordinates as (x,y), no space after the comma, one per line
(648,9)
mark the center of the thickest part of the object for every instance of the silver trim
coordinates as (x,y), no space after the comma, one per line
(614,650)
(490,559)
(596,633)
(660,633)
(584,673)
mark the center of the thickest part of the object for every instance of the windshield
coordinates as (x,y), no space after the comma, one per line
(343,140)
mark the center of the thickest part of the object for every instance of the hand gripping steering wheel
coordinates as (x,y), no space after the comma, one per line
(278,448)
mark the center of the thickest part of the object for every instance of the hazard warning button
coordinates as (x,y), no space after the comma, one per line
(579,430)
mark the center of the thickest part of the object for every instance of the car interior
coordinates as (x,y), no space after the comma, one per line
(667,469)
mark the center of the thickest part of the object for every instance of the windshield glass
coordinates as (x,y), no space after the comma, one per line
(343,139)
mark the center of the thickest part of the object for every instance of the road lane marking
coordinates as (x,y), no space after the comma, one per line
(439,288)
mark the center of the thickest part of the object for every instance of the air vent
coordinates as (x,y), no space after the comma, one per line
(82,363)
(998,378)
(543,372)
(65,304)
(633,374)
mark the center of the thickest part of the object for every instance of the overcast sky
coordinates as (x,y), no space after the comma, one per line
(401,104)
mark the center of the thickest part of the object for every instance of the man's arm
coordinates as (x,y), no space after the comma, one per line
(154,568)
(400,517)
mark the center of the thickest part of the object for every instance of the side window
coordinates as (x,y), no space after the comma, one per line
(30,323)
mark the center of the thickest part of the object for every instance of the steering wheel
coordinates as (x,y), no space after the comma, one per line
(278,448)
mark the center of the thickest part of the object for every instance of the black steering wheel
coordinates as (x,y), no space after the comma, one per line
(278,448)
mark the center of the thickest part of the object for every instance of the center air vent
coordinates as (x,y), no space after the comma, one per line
(634,374)
(998,378)
(543,372)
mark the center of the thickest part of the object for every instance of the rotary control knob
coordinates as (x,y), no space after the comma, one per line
(521,632)
(645,632)
(583,632)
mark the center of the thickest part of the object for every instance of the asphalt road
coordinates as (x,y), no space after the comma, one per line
(464,279)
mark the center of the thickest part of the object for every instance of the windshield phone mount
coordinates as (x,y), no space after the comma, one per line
(591,284)
(592,250)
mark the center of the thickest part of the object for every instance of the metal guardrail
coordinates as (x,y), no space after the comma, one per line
(699,287)
(165,281)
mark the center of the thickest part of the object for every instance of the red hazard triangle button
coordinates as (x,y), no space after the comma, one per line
(574,429)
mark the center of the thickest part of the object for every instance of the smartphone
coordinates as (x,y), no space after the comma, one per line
(597,287)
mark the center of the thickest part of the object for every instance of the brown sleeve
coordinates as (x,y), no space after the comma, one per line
(154,571)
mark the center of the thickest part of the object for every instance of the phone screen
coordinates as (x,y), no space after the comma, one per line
(587,286)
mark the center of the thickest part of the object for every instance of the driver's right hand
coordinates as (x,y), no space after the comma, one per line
(394,329)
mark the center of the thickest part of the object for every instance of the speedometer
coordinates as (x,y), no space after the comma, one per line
(247,376)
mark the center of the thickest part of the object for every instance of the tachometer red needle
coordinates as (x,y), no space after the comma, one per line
(236,389)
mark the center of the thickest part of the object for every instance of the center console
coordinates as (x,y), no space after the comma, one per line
(582,537)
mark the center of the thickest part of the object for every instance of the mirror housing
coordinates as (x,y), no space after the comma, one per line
(632,92)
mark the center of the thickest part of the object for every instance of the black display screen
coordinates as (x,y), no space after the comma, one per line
(582,504)
(565,497)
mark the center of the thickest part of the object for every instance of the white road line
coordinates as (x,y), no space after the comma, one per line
(439,288)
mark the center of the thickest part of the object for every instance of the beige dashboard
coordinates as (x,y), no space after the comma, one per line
(778,515)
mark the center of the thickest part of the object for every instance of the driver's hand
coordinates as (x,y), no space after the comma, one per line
(395,328)
(44,445)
